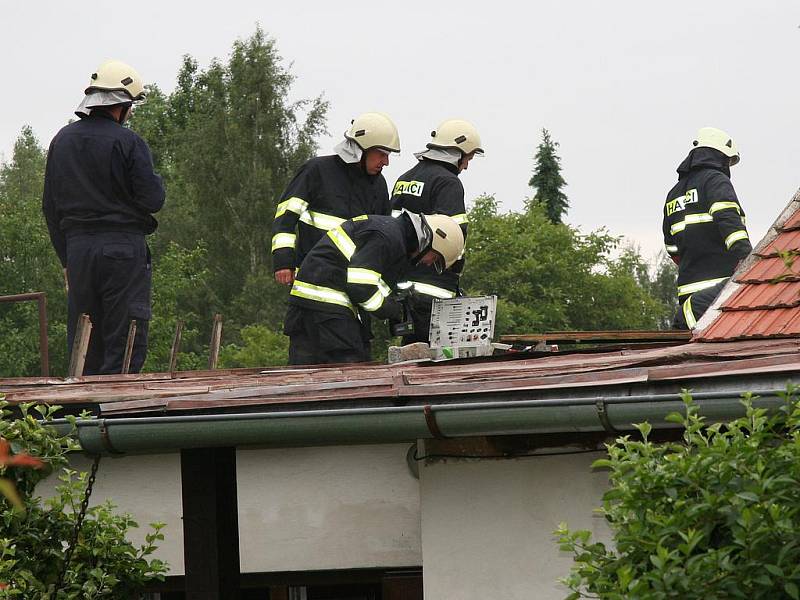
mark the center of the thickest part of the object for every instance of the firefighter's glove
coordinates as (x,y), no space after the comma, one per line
(392,309)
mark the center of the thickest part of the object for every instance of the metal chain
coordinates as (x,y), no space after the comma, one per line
(78,524)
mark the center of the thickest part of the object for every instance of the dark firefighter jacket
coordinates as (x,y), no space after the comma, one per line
(432,187)
(704,224)
(325,192)
(357,265)
(99,178)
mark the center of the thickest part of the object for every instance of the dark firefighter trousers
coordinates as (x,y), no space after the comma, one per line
(318,338)
(110,276)
(699,303)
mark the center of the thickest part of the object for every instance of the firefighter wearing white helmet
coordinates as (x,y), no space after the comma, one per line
(113,84)
(704,224)
(354,269)
(100,193)
(328,190)
(433,186)
(374,130)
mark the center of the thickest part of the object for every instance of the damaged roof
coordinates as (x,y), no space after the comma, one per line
(652,370)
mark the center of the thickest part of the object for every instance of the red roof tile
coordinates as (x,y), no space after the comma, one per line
(792,222)
(767,301)
(767,270)
(763,296)
(787,240)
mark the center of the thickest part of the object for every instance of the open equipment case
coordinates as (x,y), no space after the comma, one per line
(462,327)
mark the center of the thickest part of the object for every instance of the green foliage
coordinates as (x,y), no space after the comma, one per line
(548,276)
(261,347)
(663,286)
(104,564)
(28,264)
(714,517)
(227,141)
(547,179)
(179,275)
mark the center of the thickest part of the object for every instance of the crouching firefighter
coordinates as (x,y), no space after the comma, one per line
(704,224)
(431,187)
(357,265)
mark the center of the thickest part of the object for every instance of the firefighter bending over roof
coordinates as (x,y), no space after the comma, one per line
(328,190)
(431,187)
(704,224)
(356,266)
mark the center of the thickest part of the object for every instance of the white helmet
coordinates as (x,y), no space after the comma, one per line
(456,133)
(114,75)
(447,239)
(711,137)
(374,130)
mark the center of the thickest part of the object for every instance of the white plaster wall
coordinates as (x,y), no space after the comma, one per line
(149,488)
(332,507)
(487,525)
(299,508)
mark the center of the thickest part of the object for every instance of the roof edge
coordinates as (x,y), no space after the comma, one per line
(732,286)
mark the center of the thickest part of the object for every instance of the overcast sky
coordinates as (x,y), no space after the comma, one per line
(622,85)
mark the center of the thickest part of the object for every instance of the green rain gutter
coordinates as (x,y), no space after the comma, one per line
(401,424)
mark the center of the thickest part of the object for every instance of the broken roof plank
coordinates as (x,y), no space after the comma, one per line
(598,336)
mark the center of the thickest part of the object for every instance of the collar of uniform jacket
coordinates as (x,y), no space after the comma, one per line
(451,156)
(705,158)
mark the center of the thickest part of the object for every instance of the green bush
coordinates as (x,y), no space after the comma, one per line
(33,541)
(716,516)
(261,347)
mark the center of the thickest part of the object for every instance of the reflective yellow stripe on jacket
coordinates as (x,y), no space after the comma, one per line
(283,240)
(369,277)
(717,206)
(320,293)
(293,204)
(735,237)
(692,219)
(691,288)
(343,241)
(427,289)
(321,220)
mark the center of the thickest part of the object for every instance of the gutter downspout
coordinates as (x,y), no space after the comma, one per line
(400,424)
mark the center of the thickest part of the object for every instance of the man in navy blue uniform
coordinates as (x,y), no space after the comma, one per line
(100,191)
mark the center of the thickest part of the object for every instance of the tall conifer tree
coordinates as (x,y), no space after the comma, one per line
(547,179)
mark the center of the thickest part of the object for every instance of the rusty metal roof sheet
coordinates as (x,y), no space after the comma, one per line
(413,383)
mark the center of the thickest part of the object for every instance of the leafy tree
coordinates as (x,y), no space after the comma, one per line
(227,141)
(547,179)
(178,276)
(714,516)
(261,346)
(33,538)
(549,276)
(663,287)
(28,264)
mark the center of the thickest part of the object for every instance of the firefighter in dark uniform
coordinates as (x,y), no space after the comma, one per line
(431,187)
(100,191)
(356,266)
(704,224)
(328,190)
